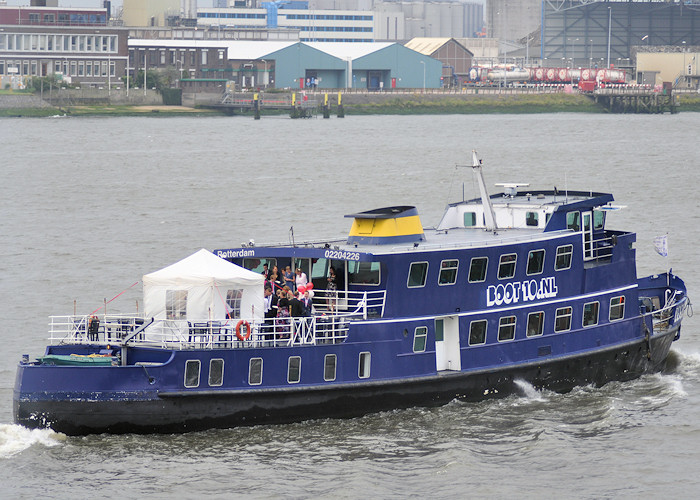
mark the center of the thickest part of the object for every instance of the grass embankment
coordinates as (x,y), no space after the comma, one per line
(106,110)
(479,104)
(689,102)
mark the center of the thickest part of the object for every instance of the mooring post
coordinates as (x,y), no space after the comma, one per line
(293,111)
(256,105)
(326,108)
(341,111)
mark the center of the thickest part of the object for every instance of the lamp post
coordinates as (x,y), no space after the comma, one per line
(182,64)
(609,32)
(265,78)
(423,63)
(590,59)
(683,72)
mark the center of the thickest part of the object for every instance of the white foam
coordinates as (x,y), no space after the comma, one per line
(15,439)
(529,390)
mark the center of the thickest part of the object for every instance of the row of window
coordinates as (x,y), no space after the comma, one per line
(255,370)
(72,68)
(79,19)
(352,29)
(535,323)
(231,15)
(343,40)
(58,43)
(327,17)
(418,271)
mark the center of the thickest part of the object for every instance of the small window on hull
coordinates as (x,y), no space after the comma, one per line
(365,364)
(255,371)
(294,369)
(617,308)
(590,313)
(563,258)
(419,339)
(448,272)
(329,367)
(562,320)
(506,328)
(216,372)
(477,269)
(535,262)
(535,324)
(506,266)
(417,274)
(192,373)
(477,332)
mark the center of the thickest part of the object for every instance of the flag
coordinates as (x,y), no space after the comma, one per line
(661,245)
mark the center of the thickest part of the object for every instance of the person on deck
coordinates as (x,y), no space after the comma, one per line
(289,278)
(300,280)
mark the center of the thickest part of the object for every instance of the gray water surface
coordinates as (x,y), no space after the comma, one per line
(89,205)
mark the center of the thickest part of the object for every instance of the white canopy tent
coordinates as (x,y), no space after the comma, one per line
(203,287)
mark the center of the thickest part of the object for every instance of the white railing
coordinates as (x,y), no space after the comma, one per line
(320,328)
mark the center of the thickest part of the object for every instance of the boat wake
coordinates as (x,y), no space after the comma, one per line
(529,391)
(15,439)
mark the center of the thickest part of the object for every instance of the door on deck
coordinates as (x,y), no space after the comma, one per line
(587,227)
(447,353)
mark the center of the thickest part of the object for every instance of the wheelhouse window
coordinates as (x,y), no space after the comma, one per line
(506,266)
(364,365)
(477,332)
(233,303)
(535,324)
(329,367)
(562,320)
(417,274)
(294,369)
(469,219)
(535,262)
(419,339)
(506,328)
(176,304)
(477,269)
(563,258)
(532,219)
(448,272)
(617,308)
(598,219)
(364,273)
(192,367)
(216,372)
(256,265)
(573,221)
(590,313)
(255,371)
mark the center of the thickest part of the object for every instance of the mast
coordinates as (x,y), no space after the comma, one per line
(485,200)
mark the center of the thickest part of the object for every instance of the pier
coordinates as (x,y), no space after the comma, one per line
(636,100)
(297,106)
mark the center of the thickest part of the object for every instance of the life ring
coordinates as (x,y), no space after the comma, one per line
(247,329)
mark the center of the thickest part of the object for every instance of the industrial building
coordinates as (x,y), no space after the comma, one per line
(207,65)
(456,58)
(74,44)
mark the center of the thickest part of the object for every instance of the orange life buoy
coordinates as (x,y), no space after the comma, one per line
(247,329)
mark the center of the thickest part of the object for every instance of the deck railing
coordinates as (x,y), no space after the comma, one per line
(319,328)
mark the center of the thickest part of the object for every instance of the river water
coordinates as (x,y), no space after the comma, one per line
(89,205)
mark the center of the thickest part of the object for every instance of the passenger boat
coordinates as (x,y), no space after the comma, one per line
(527,285)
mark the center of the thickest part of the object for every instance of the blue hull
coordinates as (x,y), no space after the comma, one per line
(185,411)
